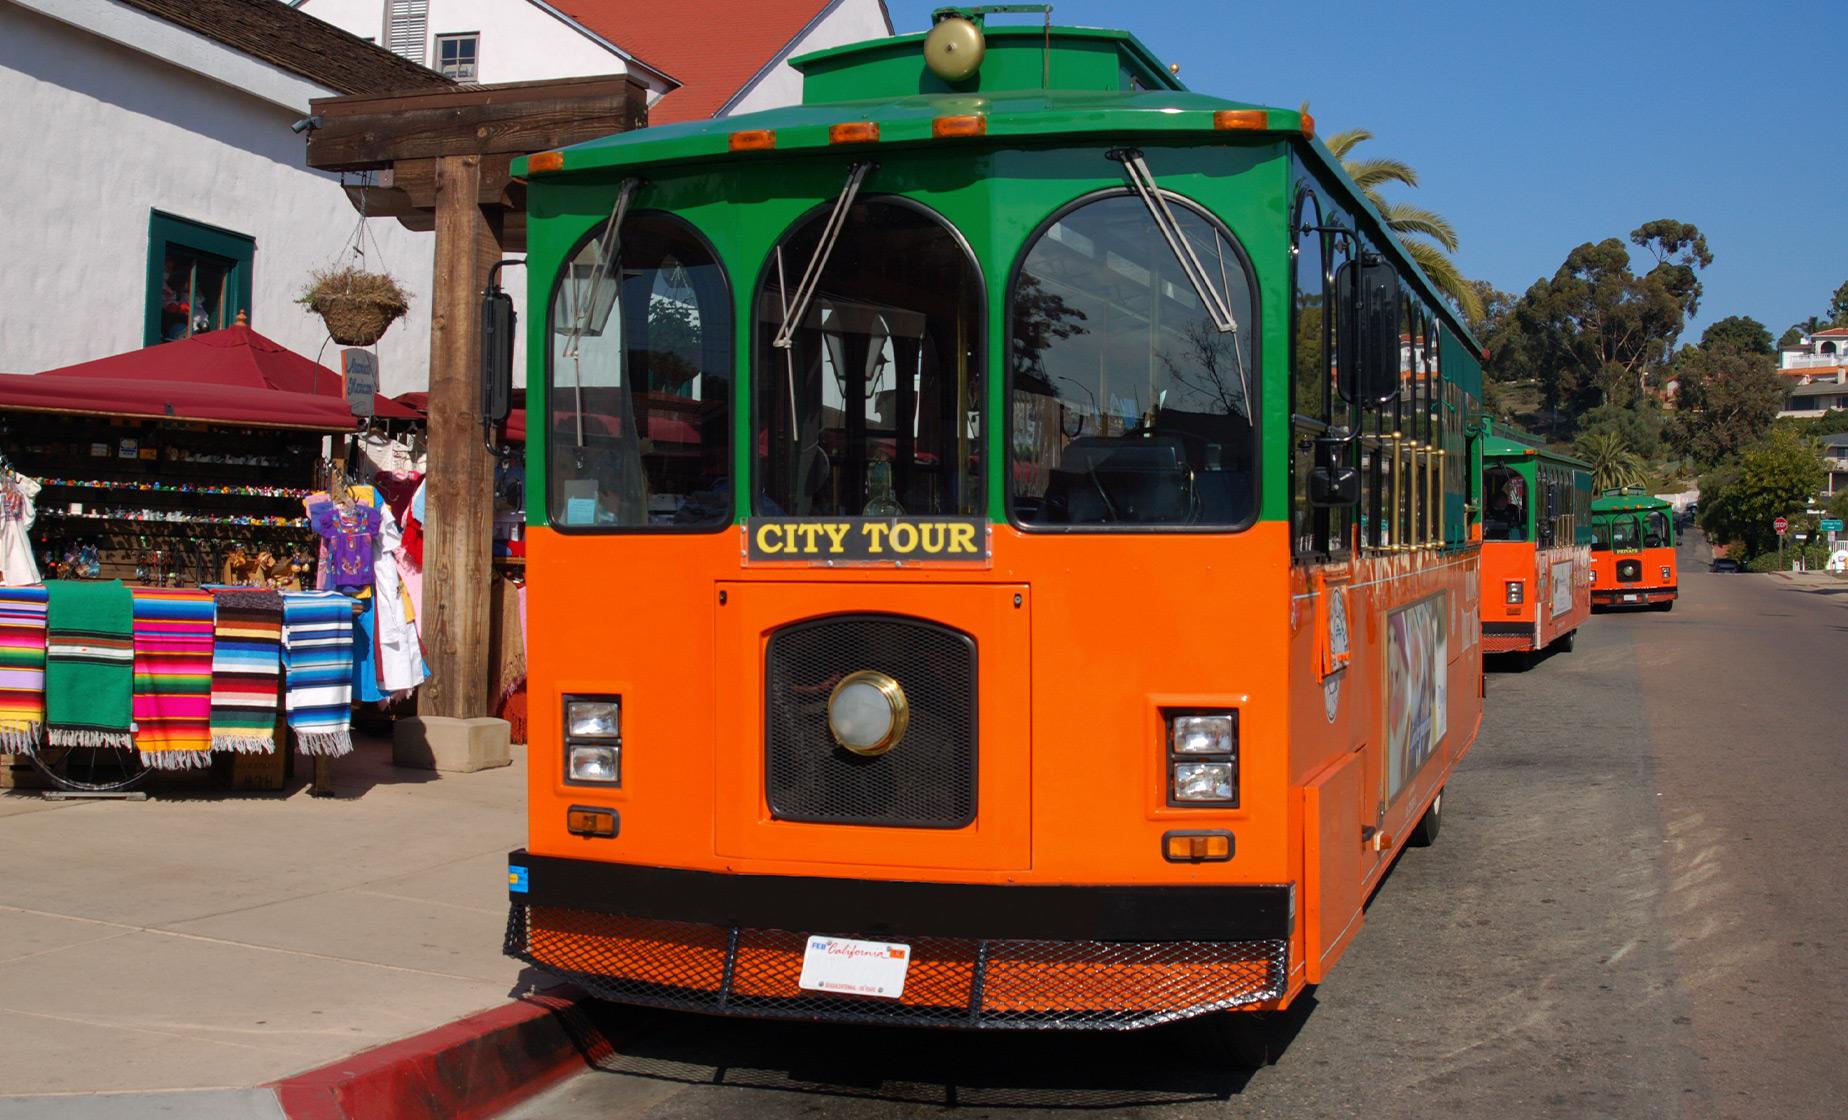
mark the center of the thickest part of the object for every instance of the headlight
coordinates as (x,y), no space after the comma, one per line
(1203,781)
(868,712)
(1594,575)
(1202,758)
(1665,575)
(593,719)
(1205,734)
(1517,591)
(593,740)
(594,764)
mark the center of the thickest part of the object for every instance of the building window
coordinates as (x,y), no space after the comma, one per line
(456,55)
(407,23)
(198,278)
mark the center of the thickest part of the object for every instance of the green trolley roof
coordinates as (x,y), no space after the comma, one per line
(1627,501)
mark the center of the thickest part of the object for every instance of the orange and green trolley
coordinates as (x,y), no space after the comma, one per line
(1633,551)
(1002,552)
(1536,543)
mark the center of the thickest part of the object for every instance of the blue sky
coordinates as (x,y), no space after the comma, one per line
(1537,127)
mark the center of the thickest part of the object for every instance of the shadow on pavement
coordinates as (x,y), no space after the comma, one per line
(1181,1063)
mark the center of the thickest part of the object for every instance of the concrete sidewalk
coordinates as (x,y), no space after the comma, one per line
(208,940)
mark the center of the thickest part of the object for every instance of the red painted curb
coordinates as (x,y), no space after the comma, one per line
(471,1068)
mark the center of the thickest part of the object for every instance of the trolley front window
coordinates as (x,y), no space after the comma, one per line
(1506,517)
(640,395)
(874,408)
(1130,406)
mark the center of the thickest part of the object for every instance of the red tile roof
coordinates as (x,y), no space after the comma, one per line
(714,49)
(1832,332)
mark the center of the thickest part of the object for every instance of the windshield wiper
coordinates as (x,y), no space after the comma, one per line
(795,309)
(1213,299)
(607,251)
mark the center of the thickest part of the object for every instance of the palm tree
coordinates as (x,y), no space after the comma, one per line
(1613,465)
(1416,227)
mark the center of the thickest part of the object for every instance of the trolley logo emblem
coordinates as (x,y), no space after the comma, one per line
(865,540)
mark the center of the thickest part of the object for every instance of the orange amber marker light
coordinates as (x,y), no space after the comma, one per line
(853,132)
(973,124)
(1241,120)
(542,162)
(753,140)
(1308,126)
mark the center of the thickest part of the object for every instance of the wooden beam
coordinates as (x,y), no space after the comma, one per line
(460,491)
(415,179)
(366,131)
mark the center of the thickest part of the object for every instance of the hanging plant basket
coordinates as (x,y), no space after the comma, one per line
(356,305)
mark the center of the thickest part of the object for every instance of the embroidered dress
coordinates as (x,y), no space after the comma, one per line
(349,529)
(18,567)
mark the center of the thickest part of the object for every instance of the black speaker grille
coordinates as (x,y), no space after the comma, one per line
(928,780)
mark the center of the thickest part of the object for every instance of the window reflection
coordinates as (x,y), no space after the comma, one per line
(1129,407)
(641,383)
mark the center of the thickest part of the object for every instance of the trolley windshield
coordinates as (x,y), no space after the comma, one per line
(870,404)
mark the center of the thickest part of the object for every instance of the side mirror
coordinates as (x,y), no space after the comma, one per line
(1332,482)
(1369,354)
(497,320)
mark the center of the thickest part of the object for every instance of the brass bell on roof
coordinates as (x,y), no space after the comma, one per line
(954,48)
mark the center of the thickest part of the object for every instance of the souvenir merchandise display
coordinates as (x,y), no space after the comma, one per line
(163,503)
(22,668)
(246,670)
(89,665)
(173,639)
(317,656)
(18,567)
(363,555)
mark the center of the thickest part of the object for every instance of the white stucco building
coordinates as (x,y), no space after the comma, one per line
(169,191)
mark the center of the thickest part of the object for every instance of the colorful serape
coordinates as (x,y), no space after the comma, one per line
(246,670)
(317,657)
(89,664)
(173,677)
(22,669)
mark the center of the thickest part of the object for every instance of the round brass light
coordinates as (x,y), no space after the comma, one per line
(954,48)
(868,713)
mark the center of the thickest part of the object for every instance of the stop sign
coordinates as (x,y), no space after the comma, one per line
(1781,524)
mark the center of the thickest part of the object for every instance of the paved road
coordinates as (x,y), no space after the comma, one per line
(1635,910)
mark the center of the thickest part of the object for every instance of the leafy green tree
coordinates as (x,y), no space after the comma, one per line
(1774,478)
(1791,337)
(1741,332)
(1838,307)
(1613,464)
(1639,427)
(1798,331)
(1427,235)
(1726,401)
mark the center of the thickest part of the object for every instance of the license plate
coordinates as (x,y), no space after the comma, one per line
(856,968)
(1629,598)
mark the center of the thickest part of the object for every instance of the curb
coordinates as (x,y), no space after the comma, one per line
(472,1068)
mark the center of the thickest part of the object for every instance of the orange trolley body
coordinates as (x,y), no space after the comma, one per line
(1633,551)
(1153,698)
(1536,549)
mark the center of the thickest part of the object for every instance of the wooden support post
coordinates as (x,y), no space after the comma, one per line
(459,498)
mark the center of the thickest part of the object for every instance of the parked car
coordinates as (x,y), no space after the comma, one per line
(1725,565)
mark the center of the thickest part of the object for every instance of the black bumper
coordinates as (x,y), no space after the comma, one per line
(983,955)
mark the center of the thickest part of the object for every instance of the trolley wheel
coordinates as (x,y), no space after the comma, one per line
(1425,833)
(1566,641)
(1664,605)
(90,769)
(1243,1040)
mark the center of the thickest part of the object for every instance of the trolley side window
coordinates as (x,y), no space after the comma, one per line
(638,431)
(1656,530)
(1315,405)
(874,408)
(1130,407)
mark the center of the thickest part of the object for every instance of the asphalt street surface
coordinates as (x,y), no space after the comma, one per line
(1635,909)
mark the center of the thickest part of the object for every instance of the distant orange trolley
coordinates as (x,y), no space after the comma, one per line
(1633,551)
(1536,538)
(1004,572)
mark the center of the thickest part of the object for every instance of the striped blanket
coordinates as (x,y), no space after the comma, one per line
(173,677)
(22,669)
(246,670)
(89,664)
(317,658)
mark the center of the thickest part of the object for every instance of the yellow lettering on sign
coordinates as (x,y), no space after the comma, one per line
(764,535)
(837,533)
(875,535)
(808,532)
(931,537)
(962,538)
(904,537)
